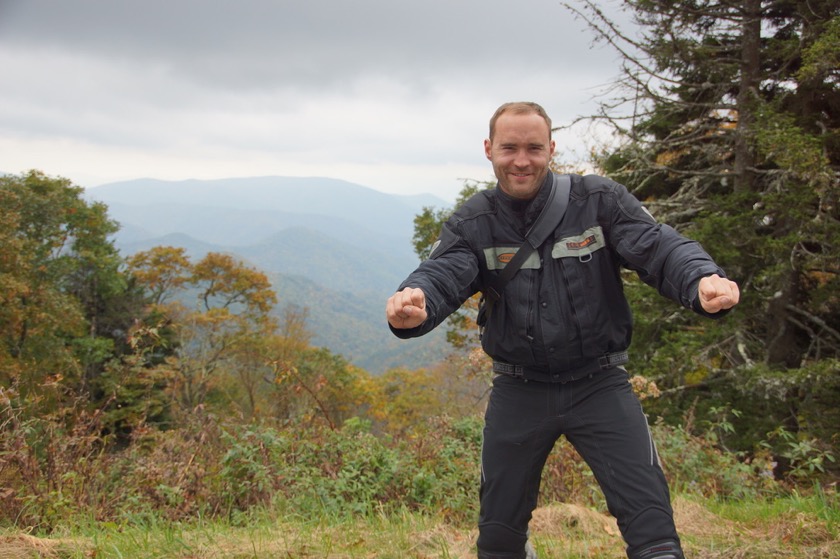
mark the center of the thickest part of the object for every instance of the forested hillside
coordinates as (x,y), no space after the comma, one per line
(319,240)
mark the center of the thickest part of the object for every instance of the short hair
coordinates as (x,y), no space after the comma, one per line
(520,108)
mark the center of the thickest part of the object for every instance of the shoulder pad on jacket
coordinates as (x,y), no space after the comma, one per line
(627,201)
(447,239)
(478,204)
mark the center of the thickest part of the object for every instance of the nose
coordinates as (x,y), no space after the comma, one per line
(521,158)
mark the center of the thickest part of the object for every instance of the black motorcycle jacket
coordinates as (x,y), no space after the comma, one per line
(565,308)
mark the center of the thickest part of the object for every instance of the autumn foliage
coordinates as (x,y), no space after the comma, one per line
(163,387)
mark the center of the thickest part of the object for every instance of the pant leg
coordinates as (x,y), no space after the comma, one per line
(518,435)
(608,428)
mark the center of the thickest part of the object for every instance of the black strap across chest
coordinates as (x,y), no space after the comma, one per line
(548,220)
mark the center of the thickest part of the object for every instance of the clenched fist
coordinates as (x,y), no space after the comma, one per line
(717,293)
(406,308)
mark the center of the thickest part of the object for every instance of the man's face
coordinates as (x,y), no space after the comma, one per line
(520,151)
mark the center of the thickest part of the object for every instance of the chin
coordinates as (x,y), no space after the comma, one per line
(522,192)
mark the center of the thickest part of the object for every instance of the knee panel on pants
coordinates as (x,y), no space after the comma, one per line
(652,524)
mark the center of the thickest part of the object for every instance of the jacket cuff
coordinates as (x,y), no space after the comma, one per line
(406,333)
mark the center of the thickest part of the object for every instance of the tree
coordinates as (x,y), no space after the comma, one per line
(728,114)
(318,386)
(231,313)
(65,306)
(162,270)
(135,386)
(409,399)
(260,366)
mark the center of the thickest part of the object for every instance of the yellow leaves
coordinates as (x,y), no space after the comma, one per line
(283,372)
(212,317)
(141,336)
(479,360)
(223,281)
(161,270)
(820,278)
(644,388)
(221,339)
(671,157)
(697,375)
(52,380)
(226,289)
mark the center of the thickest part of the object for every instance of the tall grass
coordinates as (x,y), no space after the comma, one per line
(210,469)
(217,489)
(784,527)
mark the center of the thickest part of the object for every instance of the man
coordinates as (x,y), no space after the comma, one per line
(559,333)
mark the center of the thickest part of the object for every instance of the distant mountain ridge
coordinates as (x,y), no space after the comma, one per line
(335,247)
(294,195)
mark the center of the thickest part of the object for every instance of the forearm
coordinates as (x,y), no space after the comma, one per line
(447,282)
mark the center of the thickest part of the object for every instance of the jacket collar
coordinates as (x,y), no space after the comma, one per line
(525,212)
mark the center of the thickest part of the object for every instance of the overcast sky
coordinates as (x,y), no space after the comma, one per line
(390,94)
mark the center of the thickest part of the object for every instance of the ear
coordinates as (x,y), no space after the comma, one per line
(487,146)
(552,145)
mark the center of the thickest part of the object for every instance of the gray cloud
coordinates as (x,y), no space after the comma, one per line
(351,83)
(258,41)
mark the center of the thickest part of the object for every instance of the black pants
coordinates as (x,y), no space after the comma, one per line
(602,418)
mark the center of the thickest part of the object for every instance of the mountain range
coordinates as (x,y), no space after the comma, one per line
(337,248)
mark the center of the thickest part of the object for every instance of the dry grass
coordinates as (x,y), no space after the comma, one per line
(559,532)
(570,531)
(27,547)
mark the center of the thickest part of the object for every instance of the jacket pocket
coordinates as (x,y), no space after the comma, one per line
(580,246)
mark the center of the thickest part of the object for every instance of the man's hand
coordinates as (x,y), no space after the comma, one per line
(717,293)
(406,308)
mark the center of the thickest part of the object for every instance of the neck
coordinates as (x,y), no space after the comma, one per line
(527,210)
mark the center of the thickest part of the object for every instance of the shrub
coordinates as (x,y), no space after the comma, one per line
(56,475)
(695,464)
(51,467)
